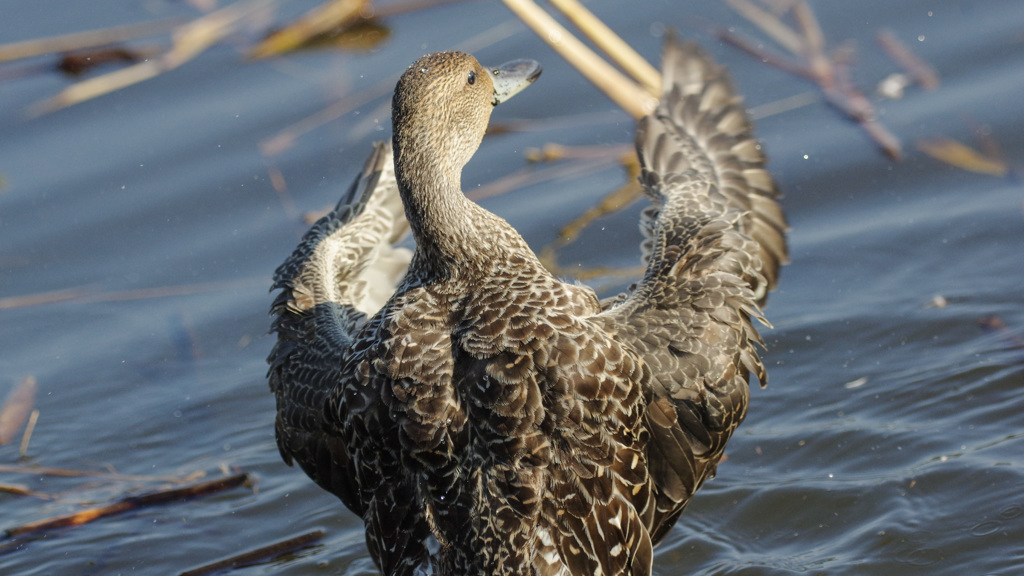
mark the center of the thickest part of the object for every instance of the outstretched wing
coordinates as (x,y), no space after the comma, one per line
(342,271)
(715,238)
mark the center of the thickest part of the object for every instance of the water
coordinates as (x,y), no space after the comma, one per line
(889,440)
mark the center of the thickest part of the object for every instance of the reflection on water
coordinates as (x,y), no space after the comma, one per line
(914,469)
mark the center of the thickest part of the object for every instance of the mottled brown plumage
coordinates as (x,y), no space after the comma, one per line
(490,419)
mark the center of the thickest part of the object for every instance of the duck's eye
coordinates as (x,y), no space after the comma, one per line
(472,78)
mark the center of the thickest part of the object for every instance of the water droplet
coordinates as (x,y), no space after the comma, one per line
(1011,511)
(985,528)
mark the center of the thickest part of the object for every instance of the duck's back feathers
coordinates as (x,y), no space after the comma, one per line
(491,419)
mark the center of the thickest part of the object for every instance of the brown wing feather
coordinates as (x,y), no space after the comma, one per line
(329,286)
(715,239)
(323,286)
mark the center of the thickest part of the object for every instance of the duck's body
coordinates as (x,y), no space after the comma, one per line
(490,418)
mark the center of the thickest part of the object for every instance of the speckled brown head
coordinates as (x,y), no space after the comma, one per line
(444,100)
(439,114)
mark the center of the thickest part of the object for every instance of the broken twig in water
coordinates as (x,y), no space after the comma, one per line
(918,69)
(617,200)
(83,40)
(258,555)
(87,294)
(332,19)
(106,475)
(23,491)
(190,40)
(957,154)
(528,176)
(128,504)
(554,152)
(43,298)
(808,60)
(317,22)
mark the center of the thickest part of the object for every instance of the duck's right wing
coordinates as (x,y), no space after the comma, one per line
(341,273)
(715,238)
(700,131)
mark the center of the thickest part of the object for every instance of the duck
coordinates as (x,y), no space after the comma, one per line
(484,417)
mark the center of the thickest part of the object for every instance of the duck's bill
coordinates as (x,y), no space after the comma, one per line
(511,77)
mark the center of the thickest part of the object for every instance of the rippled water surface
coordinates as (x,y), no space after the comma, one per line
(889,440)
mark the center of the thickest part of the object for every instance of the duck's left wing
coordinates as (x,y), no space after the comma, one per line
(342,271)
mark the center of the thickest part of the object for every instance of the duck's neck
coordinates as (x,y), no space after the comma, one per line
(445,224)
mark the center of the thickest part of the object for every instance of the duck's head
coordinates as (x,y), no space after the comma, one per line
(443,102)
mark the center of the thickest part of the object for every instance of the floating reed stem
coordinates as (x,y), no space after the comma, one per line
(127,505)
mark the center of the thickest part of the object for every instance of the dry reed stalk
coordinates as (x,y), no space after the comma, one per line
(611,44)
(258,555)
(332,16)
(43,298)
(81,40)
(400,7)
(29,428)
(808,47)
(89,295)
(918,69)
(528,176)
(189,40)
(962,156)
(72,473)
(128,504)
(551,152)
(16,408)
(629,96)
(769,24)
(325,17)
(19,490)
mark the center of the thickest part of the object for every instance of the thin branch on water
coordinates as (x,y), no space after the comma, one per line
(106,475)
(84,40)
(90,293)
(48,297)
(957,154)
(402,7)
(262,554)
(189,40)
(19,490)
(554,152)
(317,22)
(807,47)
(128,504)
(529,175)
(332,18)
(918,69)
